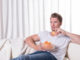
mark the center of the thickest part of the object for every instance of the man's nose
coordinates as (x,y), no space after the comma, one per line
(53,25)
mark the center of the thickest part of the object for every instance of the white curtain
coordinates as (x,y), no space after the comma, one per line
(21,18)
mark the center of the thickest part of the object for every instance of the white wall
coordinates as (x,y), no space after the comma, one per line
(21,18)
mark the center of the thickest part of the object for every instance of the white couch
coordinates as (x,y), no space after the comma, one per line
(73,51)
(10,48)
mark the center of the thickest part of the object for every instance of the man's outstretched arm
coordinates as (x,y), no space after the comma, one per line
(75,38)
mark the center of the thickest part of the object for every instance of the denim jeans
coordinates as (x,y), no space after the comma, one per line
(38,55)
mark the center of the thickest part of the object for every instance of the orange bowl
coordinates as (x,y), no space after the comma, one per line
(47,45)
(46,42)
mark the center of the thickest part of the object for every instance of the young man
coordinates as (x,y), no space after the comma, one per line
(53,45)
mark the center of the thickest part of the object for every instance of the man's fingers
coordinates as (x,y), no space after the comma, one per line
(58,30)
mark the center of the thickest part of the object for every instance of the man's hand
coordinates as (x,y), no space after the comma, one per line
(60,31)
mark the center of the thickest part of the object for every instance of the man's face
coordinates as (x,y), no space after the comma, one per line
(55,23)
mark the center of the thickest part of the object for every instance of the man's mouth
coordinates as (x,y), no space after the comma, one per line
(53,27)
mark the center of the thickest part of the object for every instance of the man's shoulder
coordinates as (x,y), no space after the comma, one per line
(65,37)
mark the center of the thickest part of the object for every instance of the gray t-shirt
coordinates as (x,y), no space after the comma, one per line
(60,41)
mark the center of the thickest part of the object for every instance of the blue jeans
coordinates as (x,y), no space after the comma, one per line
(38,55)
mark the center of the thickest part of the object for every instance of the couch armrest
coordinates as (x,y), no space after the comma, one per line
(74,51)
(66,58)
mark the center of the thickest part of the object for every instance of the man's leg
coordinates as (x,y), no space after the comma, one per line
(23,57)
(41,55)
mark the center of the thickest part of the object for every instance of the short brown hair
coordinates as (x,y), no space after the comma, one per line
(56,15)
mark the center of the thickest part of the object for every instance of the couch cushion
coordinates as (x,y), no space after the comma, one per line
(74,51)
(19,47)
(5,49)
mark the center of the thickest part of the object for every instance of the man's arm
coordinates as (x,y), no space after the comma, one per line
(74,37)
(31,41)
